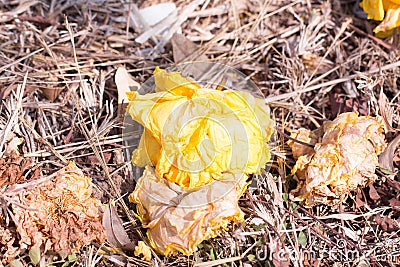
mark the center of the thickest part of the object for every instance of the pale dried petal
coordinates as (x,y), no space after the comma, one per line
(305,136)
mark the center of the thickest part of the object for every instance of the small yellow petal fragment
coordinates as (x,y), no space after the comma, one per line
(143,250)
(374,9)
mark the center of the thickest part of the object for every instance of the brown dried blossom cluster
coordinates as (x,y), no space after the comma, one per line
(343,159)
(55,214)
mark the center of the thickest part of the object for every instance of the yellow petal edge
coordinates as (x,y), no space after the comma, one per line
(376,10)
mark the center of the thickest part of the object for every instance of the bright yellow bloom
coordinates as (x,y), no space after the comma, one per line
(194,135)
(376,10)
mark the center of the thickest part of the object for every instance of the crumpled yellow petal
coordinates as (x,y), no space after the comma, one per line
(143,250)
(174,82)
(343,161)
(180,219)
(392,19)
(376,10)
(194,135)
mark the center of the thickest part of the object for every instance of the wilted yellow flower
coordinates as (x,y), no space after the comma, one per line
(376,10)
(179,219)
(193,135)
(342,161)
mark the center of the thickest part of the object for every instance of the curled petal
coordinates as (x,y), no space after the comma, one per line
(391,21)
(374,9)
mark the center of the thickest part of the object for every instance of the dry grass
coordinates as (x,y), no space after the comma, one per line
(311,59)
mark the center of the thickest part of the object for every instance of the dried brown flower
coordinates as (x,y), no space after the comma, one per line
(342,161)
(59,214)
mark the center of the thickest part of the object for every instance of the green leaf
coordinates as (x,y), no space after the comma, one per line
(212,254)
(287,226)
(16,263)
(285,196)
(251,257)
(302,238)
(72,257)
(386,171)
(34,254)
(294,205)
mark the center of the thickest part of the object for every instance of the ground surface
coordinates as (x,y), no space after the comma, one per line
(312,60)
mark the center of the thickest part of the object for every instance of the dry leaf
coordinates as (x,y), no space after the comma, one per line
(62,215)
(373,194)
(387,224)
(395,204)
(125,84)
(12,169)
(193,135)
(340,103)
(51,93)
(385,111)
(158,19)
(179,219)
(114,230)
(183,49)
(343,161)
(8,250)
(316,63)
(387,156)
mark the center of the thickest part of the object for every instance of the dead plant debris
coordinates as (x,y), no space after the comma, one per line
(312,60)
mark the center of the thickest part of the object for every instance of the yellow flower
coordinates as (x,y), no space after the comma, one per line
(194,135)
(376,10)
